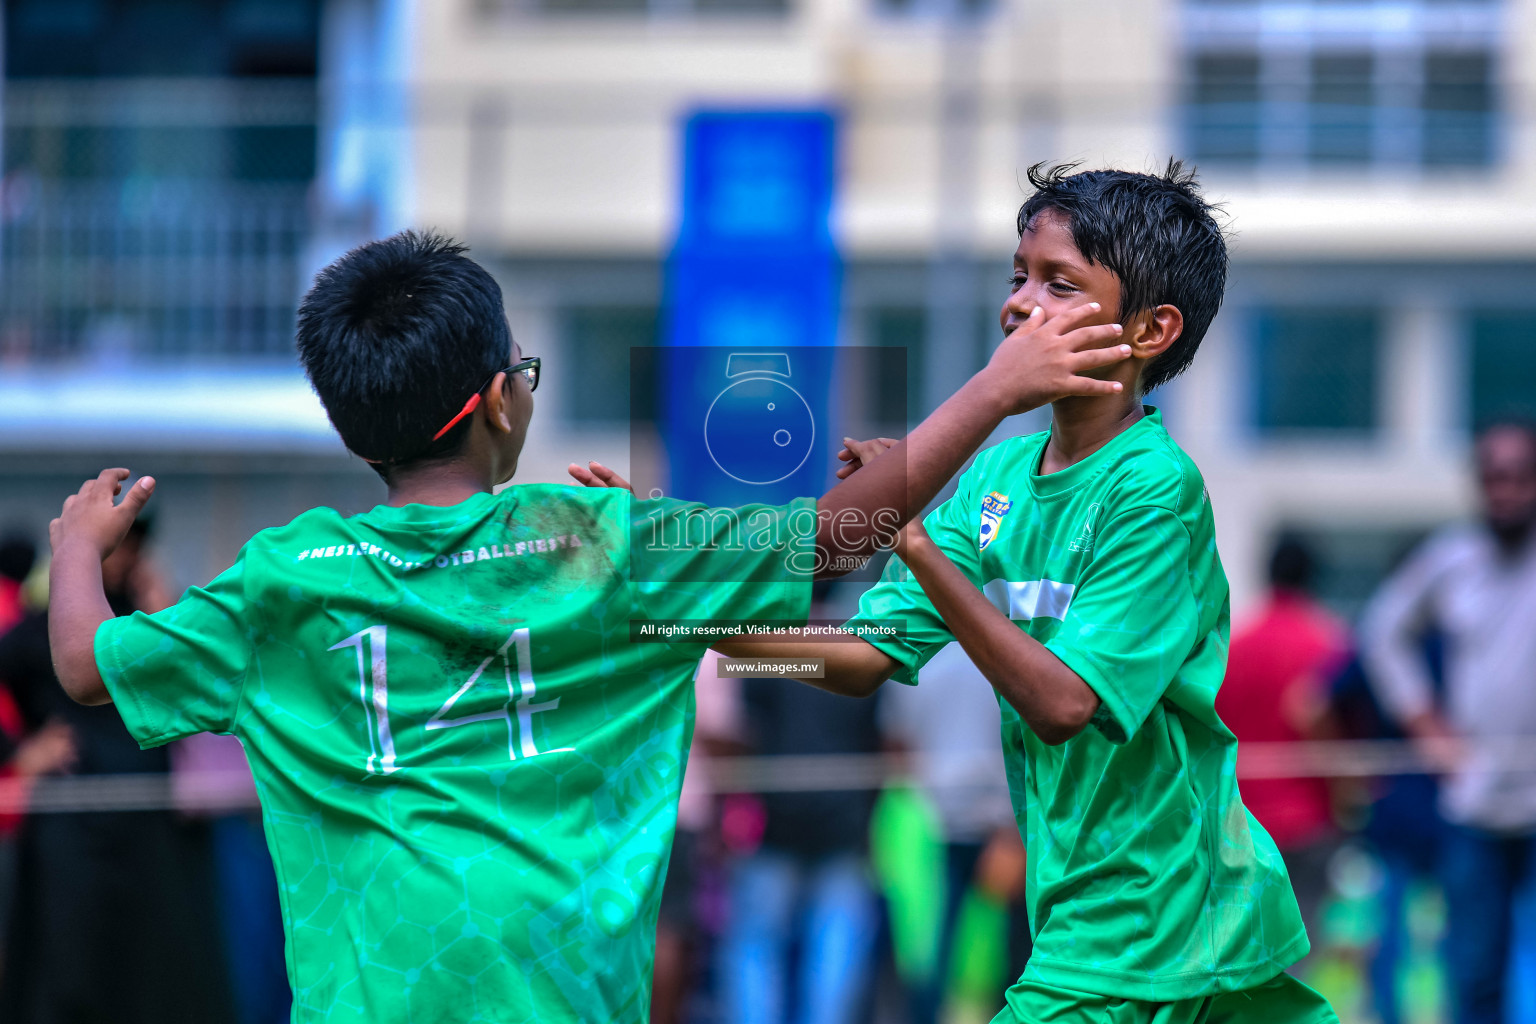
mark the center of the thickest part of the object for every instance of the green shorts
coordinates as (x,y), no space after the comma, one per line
(1280,1000)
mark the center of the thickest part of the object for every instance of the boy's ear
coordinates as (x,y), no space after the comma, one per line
(498,404)
(1154,331)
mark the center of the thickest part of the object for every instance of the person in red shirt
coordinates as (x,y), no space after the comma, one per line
(1276,691)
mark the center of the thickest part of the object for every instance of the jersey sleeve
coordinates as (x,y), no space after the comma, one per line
(722,566)
(1133,619)
(181,670)
(895,614)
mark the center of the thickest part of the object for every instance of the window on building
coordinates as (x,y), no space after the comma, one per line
(1347,83)
(888,380)
(1340,107)
(935,8)
(633,7)
(1458,108)
(595,344)
(1316,371)
(1503,366)
(167,151)
(1224,106)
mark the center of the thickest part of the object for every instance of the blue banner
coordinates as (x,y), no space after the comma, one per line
(752,293)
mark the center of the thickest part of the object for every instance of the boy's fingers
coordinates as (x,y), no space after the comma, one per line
(1095,357)
(112,479)
(1091,386)
(867,450)
(137,497)
(608,476)
(1092,336)
(583,475)
(1077,316)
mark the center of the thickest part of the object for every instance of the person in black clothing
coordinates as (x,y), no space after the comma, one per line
(113,919)
(1404,826)
(807,885)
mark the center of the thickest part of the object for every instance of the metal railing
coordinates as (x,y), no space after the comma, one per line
(153,217)
(233,790)
(118,271)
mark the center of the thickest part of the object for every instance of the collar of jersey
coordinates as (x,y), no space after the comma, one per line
(428,515)
(1074,476)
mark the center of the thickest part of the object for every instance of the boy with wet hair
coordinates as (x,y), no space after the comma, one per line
(468,765)
(1077,568)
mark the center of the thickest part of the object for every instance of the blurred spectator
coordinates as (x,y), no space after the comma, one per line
(807,886)
(679,925)
(23,757)
(1476,584)
(951,722)
(250,914)
(1403,825)
(1276,691)
(113,917)
(17,553)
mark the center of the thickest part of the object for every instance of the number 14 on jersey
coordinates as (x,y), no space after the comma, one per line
(517,710)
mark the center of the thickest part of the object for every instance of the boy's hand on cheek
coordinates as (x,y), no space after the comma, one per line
(1043,360)
(92,521)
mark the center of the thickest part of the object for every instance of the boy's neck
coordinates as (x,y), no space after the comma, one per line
(1081,426)
(437,483)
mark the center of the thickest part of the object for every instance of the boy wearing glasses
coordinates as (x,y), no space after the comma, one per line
(468,766)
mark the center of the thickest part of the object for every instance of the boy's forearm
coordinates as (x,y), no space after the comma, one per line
(77,606)
(866,509)
(853,669)
(1051,698)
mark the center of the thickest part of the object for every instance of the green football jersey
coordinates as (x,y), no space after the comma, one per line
(1147,878)
(468,755)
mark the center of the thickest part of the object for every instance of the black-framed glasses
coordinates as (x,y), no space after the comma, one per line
(529,368)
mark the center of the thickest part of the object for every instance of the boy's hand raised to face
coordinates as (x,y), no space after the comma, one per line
(1042,360)
(91,519)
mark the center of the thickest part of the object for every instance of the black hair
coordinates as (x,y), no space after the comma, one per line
(1291,565)
(1155,232)
(395,336)
(17,555)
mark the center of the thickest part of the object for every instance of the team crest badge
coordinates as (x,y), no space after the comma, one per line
(993,507)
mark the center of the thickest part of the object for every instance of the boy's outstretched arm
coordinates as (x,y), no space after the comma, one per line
(853,668)
(1040,361)
(1050,697)
(88,530)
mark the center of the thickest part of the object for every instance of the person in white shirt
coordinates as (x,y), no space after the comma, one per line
(1476,584)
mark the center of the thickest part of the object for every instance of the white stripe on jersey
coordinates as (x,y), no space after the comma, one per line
(1034,599)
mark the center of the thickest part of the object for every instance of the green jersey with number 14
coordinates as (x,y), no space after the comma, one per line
(468,767)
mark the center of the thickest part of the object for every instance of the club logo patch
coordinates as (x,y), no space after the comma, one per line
(993,507)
